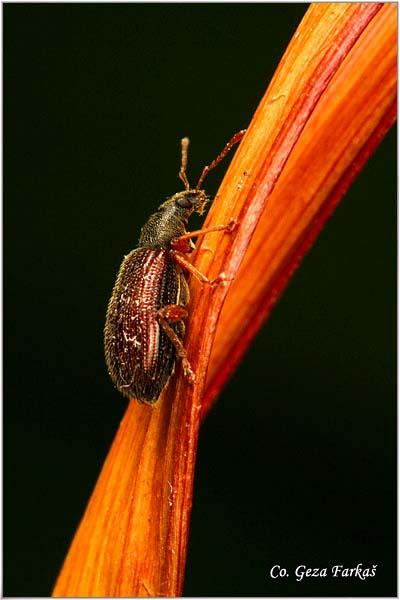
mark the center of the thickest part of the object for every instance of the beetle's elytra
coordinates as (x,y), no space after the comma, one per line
(144,326)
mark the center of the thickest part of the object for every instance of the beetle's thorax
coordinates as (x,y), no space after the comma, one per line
(171,218)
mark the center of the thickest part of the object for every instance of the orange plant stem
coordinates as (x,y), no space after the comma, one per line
(337,141)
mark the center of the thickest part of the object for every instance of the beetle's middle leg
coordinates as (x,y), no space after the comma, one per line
(171,314)
(185,264)
(183,245)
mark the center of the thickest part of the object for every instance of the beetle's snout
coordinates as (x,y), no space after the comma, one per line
(200,201)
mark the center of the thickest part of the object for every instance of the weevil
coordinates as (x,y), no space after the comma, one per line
(144,330)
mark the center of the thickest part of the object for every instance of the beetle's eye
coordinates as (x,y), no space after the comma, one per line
(184,203)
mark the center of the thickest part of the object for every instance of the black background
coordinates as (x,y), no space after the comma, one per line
(296,461)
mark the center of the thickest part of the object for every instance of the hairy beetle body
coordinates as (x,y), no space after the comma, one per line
(144,325)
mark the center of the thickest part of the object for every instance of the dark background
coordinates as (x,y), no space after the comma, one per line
(296,461)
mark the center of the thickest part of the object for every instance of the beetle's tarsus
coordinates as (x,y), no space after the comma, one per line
(232,225)
(188,371)
(222,279)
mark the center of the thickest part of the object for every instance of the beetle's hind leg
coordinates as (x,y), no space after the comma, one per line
(171,314)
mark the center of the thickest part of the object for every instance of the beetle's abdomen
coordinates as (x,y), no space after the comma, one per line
(140,356)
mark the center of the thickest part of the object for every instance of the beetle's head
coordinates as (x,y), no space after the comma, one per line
(191,201)
(183,204)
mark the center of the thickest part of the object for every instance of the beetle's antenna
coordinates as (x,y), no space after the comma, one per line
(182,171)
(235,139)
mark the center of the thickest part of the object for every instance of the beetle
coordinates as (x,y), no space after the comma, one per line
(144,325)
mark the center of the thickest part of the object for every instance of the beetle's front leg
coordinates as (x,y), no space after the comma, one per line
(171,314)
(183,242)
